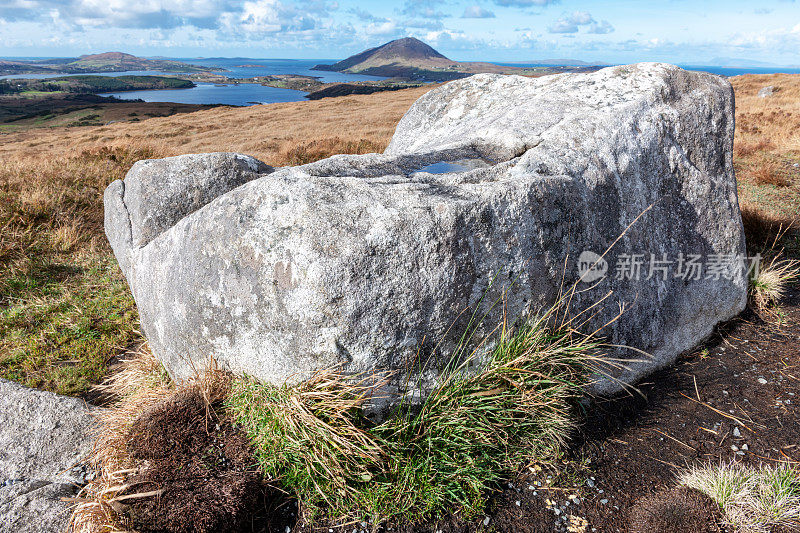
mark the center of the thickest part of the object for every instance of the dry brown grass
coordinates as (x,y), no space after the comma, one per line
(267,132)
(140,384)
(774,120)
(769,172)
(51,184)
(766,148)
(64,306)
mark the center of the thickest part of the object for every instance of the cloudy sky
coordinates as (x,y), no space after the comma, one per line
(679,31)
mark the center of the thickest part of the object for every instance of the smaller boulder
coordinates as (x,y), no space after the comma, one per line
(767,91)
(159,192)
(43,439)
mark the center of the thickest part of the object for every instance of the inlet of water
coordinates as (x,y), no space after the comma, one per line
(460,165)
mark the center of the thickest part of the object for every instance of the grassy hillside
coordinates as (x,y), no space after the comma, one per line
(105,62)
(90,84)
(64,307)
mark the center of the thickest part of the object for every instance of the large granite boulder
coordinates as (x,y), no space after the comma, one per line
(43,440)
(492,185)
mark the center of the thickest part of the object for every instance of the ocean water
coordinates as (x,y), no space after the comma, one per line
(720,71)
(250,94)
(247,67)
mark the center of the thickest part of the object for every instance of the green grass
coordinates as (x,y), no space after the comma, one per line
(752,499)
(65,308)
(34,93)
(62,323)
(423,461)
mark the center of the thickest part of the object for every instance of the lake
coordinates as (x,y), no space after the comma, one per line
(237,67)
(207,93)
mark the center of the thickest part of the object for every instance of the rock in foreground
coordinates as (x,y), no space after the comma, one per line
(43,438)
(370,261)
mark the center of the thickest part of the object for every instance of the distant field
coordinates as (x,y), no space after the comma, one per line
(64,307)
(80,110)
(268,132)
(767,145)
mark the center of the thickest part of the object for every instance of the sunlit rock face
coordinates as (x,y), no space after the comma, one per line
(492,187)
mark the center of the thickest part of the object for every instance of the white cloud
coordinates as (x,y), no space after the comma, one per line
(476,12)
(425,24)
(261,17)
(455,40)
(600,27)
(423,8)
(572,24)
(365,15)
(783,40)
(581,18)
(116,13)
(381,28)
(563,26)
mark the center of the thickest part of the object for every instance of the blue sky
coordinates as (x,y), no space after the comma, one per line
(678,31)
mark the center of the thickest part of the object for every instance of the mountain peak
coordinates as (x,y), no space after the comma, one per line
(408,48)
(400,57)
(110,56)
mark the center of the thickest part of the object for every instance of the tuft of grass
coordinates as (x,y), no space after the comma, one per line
(140,385)
(769,172)
(753,499)
(310,438)
(443,455)
(769,286)
(743,149)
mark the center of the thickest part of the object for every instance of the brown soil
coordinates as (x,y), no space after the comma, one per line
(747,383)
(204,470)
(679,510)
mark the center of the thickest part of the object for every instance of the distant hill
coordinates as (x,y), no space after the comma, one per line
(413,59)
(104,62)
(563,62)
(407,52)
